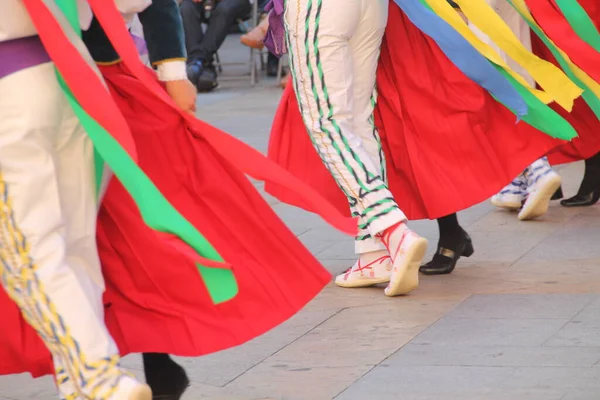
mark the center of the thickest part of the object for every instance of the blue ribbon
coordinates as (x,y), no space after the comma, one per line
(464,55)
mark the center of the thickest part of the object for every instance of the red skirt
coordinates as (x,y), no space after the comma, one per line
(582,117)
(448,143)
(559,30)
(155,298)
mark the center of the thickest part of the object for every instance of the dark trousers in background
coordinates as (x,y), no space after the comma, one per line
(202,45)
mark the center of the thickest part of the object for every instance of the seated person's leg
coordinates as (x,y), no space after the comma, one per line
(257,35)
(224,15)
(192,15)
(272,65)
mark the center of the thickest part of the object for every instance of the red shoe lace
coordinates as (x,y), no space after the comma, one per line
(385,238)
(368,266)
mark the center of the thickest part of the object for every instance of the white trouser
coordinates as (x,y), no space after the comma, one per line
(334,49)
(49,261)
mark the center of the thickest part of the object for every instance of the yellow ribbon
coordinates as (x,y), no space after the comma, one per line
(551,78)
(445,11)
(578,72)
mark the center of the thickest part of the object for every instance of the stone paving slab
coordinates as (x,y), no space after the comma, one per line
(495,356)
(482,349)
(491,332)
(533,394)
(525,306)
(224,367)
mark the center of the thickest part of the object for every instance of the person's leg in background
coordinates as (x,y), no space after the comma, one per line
(254,39)
(202,46)
(225,14)
(333,48)
(50,265)
(192,16)
(589,190)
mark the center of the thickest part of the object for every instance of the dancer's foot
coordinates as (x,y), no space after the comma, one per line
(407,250)
(370,269)
(130,389)
(447,254)
(508,201)
(582,200)
(255,37)
(512,196)
(538,198)
(167,379)
(589,189)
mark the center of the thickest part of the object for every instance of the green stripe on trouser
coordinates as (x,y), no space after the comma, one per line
(334,79)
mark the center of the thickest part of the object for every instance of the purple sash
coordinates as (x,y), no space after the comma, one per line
(275,39)
(140,44)
(18,54)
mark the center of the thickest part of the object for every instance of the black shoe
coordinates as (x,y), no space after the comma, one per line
(207,81)
(582,200)
(558,194)
(444,261)
(166,378)
(194,69)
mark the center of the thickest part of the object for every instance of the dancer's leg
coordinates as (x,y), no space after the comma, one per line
(325,71)
(374,265)
(50,266)
(589,190)
(539,191)
(334,46)
(167,379)
(454,243)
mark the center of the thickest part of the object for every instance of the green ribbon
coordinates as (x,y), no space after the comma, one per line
(156,211)
(580,22)
(539,115)
(589,96)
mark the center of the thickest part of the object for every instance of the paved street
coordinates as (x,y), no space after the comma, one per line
(518,320)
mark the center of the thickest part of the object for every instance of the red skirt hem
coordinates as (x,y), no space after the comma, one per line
(448,143)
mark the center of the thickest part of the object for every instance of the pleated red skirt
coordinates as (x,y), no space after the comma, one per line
(448,143)
(155,299)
